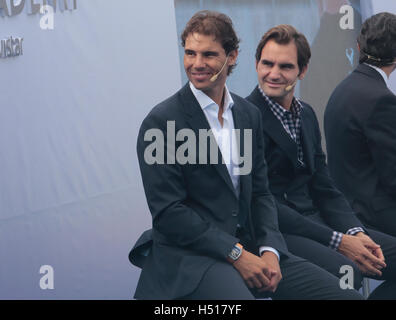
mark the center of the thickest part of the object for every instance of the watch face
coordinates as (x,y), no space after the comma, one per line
(235,253)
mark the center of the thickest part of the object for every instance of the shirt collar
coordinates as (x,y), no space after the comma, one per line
(205,101)
(381,72)
(295,108)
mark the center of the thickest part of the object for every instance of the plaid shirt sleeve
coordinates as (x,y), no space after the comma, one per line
(355,230)
(337,237)
(335,240)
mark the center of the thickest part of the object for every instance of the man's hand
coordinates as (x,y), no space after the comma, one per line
(254,270)
(359,250)
(276,275)
(377,252)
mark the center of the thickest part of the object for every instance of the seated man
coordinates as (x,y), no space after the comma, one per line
(360,128)
(215,227)
(314,217)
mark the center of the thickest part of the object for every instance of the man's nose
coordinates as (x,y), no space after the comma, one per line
(274,73)
(199,62)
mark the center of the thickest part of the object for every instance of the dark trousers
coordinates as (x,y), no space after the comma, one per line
(384,222)
(332,260)
(301,280)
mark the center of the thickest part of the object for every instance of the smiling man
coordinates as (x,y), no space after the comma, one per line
(314,217)
(203,63)
(278,70)
(215,231)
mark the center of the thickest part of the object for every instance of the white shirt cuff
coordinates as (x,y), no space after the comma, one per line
(263,248)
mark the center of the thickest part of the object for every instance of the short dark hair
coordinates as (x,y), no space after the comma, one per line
(284,34)
(377,40)
(212,23)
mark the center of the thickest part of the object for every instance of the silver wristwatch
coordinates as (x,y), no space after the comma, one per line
(235,252)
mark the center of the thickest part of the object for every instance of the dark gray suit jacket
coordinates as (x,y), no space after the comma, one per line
(194,207)
(360,128)
(301,192)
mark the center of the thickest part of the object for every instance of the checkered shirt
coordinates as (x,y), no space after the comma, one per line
(291,121)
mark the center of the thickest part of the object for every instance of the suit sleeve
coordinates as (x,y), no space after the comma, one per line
(381,138)
(292,222)
(166,194)
(264,211)
(332,204)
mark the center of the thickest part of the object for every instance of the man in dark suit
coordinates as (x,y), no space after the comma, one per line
(360,128)
(314,217)
(215,230)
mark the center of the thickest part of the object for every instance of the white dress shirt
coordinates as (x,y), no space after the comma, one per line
(224,135)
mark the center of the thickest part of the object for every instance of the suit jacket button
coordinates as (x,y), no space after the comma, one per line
(285,196)
(234,213)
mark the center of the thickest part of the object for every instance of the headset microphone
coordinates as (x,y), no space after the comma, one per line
(214,78)
(290,87)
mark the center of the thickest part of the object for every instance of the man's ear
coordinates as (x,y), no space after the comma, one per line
(232,57)
(303,72)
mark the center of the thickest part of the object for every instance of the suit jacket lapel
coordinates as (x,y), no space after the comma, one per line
(274,128)
(197,120)
(306,140)
(241,122)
